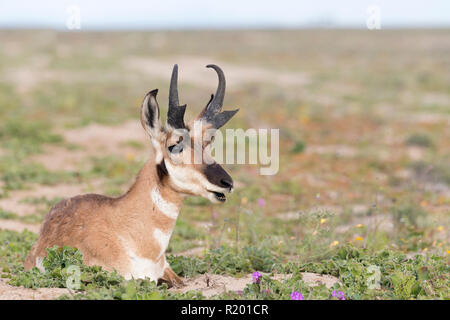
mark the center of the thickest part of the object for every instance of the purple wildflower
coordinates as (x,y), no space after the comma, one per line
(339,295)
(261,202)
(296,296)
(256,277)
(239,292)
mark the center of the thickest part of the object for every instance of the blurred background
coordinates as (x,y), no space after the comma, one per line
(233,14)
(360,91)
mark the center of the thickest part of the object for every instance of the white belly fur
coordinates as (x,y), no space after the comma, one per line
(141,268)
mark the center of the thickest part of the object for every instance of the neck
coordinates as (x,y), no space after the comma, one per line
(153,179)
(150,207)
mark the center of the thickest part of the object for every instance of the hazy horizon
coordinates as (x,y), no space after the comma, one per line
(232,15)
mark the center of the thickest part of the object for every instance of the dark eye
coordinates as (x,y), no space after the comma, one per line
(176,148)
(206,142)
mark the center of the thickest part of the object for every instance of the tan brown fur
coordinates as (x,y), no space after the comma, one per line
(93,222)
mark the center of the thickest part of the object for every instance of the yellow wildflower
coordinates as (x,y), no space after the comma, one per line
(334,243)
(359,225)
(130,156)
(358,238)
(323,220)
(244,200)
(440,228)
(303,116)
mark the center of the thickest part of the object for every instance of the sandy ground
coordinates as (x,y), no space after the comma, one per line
(14,202)
(208,284)
(213,284)
(8,292)
(18,226)
(26,78)
(237,75)
(94,140)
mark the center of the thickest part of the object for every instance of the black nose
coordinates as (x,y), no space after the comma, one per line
(227,183)
(216,175)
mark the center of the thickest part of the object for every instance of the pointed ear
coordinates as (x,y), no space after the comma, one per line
(150,114)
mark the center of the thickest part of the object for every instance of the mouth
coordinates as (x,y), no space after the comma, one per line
(219,196)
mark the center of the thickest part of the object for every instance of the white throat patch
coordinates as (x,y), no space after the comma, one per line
(167,208)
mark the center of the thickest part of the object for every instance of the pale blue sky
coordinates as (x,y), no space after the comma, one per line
(172,14)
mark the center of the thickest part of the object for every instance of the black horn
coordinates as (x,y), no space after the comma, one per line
(212,113)
(216,103)
(175,115)
(221,118)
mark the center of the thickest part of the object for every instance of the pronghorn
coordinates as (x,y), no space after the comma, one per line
(130,233)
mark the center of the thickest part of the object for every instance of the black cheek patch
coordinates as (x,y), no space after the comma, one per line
(161,170)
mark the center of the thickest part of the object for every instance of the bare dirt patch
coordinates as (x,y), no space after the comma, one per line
(18,226)
(338,150)
(14,203)
(98,139)
(94,140)
(213,284)
(194,252)
(8,292)
(237,75)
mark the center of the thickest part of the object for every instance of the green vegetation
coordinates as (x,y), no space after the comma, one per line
(421,277)
(421,140)
(94,283)
(299,147)
(17,174)
(27,136)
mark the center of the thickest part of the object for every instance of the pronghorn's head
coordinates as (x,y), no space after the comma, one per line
(183,151)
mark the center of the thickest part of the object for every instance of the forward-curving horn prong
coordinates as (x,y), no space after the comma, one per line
(216,103)
(221,118)
(212,112)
